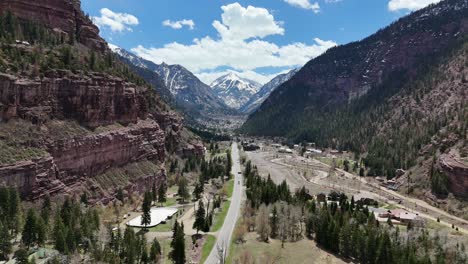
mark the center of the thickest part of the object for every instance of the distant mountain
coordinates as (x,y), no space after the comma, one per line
(234,90)
(391,97)
(257,99)
(181,87)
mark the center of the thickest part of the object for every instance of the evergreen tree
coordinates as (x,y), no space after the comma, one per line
(199,223)
(178,244)
(146,209)
(183,189)
(155,250)
(161,194)
(46,209)
(5,241)
(198,190)
(274,221)
(29,235)
(21,256)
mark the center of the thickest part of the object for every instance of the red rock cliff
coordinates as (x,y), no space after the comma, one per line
(62,15)
(94,100)
(456,171)
(77,163)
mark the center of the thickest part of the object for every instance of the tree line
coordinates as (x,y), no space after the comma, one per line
(341,226)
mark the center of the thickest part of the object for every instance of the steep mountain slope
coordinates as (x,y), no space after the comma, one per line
(234,90)
(188,93)
(375,96)
(73,118)
(257,99)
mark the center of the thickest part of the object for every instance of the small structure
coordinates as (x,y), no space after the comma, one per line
(158,216)
(285,150)
(321,197)
(250,147)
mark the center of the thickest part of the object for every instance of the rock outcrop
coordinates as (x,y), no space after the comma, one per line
(456,171)
(94,100)
(121,131)
(63,16)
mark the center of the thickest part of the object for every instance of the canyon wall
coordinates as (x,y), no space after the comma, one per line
(93,100)
(64,16)
(456,171)
(120,130)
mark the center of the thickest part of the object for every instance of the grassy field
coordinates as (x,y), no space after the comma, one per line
(230,188)
(219,218)
(170,201)
(207,247)
(303,251)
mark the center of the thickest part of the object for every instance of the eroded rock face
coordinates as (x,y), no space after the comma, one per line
(456,171)
(71,163)
(93,101)
(62,15)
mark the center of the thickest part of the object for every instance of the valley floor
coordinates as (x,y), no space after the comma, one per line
(314,175)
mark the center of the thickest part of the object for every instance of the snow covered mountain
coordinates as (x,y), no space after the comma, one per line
(234,90)
(189,93)
(257,99)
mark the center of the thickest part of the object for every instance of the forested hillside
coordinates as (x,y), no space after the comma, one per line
(387,97)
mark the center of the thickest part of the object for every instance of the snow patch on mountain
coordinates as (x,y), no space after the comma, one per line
(235,90)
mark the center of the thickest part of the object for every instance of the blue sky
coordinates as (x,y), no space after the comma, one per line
(255,38)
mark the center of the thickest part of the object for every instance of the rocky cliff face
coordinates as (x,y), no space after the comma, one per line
(94,100)
(456,171)
(126,134)
(63,16)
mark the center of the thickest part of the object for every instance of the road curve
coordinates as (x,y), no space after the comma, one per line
(223,238)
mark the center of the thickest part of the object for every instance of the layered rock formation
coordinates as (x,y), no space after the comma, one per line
(456,171)
(130,134)
(94,100)
(63,16)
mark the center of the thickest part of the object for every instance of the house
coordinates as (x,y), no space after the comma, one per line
(285,150)
(251,147)
(321,197)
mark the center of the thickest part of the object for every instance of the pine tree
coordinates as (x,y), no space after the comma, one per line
(46,210)
(274,222)
(29,235)
(183,189)
(161,194)
(155,250)
(178,244)
(146,209)
(198,190)
(199,223)
(5,241)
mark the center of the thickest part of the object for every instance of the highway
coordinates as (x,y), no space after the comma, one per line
(224,235)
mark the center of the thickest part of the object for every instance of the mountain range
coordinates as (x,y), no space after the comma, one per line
(258,98)
(234,90)
(179,86)
(389,97)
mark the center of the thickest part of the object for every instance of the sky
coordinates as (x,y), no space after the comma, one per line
(257,39)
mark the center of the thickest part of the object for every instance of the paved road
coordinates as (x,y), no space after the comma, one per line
(224,235)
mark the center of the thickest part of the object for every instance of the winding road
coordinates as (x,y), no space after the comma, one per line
(223,238)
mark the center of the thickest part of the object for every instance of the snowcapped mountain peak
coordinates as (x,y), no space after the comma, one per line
(235,90)
(233,81)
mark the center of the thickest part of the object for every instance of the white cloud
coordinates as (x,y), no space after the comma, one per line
(238,22)
(395,5)
(179,24)
(305,4)
(239,46)
(117,22)
(206,53)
